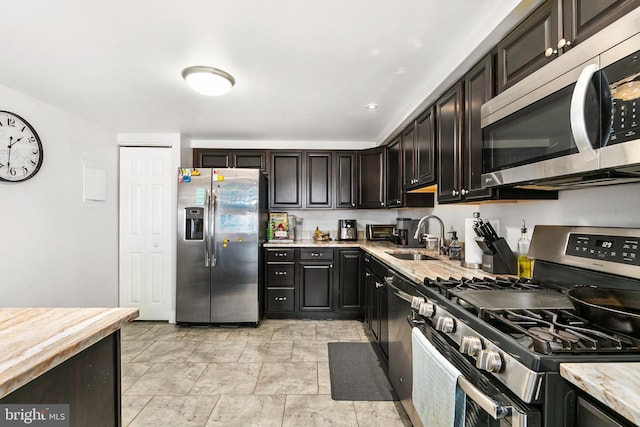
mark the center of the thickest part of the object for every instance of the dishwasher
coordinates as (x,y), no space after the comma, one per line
(401,293)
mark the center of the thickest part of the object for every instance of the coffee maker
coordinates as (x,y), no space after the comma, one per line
(406,229)
(347,229)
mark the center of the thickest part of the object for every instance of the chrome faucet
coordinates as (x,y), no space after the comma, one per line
(420,227)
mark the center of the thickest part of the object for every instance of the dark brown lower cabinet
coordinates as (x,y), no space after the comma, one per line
(322,283)
(88,382)
(316,285)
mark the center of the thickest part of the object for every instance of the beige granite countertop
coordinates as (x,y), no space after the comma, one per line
(617,385)
(414,270)
(34,340)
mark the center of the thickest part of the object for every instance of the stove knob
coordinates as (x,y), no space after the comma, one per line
(489,360)
(445,324)
(471,345)
(416,301)
(427,309)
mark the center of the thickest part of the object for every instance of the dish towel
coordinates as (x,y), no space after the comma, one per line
(436,396)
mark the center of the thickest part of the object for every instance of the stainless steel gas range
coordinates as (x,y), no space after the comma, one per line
(508,337)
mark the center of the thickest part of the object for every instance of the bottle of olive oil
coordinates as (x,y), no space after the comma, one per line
(524,262)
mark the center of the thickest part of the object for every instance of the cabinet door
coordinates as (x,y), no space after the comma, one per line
(285,180)
(349,298)
(523,51)
(371,178)
(394,174)
(204,158)
(449,140)
(319,180)
(346,189)
(478,89)
(316,284)
(409,174)
(425,148)
(583,18)
(250,159)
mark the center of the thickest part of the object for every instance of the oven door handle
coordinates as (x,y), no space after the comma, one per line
(489,405)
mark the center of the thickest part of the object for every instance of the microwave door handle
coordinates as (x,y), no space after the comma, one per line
(578,122)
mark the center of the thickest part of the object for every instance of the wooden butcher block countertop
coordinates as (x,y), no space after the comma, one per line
(35,340)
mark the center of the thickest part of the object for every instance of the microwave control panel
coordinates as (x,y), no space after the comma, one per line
(620,249)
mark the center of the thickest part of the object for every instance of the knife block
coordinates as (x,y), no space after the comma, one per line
(502,260)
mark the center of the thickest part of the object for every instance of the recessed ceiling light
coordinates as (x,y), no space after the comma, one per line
(208,80)
(371,106)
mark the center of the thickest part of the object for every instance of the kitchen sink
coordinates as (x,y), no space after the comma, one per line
(412,256)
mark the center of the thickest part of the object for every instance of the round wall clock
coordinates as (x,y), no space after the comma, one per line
(20,148)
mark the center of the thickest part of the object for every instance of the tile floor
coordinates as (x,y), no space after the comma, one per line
(273,375)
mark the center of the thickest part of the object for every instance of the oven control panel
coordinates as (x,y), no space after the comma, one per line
(620,249)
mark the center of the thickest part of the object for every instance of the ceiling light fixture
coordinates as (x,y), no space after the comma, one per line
(371,106)
(208,80)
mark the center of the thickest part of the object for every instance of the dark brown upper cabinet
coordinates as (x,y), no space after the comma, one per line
(285,180)
(371,178)
(478,89)
(319,180)
(346,179)
(449,125)
(394,174)
(214,158)
(554,28)
(418,152)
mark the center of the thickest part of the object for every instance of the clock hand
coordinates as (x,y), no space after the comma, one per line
(13,143)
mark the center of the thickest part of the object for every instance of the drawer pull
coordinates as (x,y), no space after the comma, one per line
(280,254)
(281,273)
(280,298)
(316,254)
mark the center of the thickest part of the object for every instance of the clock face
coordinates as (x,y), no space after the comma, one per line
(20,148)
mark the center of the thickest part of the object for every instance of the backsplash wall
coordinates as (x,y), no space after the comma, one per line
(610,206)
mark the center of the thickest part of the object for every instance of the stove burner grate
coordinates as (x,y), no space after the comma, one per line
(558,331)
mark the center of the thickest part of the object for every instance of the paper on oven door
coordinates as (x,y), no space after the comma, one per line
(436,396)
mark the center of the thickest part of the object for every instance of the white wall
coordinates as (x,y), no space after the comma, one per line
(56,250)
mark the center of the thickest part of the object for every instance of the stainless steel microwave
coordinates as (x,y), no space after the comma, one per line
(575,122)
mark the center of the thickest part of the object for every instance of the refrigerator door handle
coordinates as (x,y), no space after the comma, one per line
(212,228)
(206,230)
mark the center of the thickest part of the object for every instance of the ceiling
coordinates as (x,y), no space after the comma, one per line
(304,70)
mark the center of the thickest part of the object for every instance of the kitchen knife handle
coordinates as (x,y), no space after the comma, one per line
(492,231)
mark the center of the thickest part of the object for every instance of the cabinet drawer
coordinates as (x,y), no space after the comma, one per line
(316,254)
(281,255)
(280,299)
(280,274)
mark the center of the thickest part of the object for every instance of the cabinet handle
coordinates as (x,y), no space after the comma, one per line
(367,274)
(280,254)
(549,52)
(381,203)
(379,285)
(564,43)
(280,298)
(464,192)
(353,205)
(454,193)
(316,254)
(367,260)
(281,273)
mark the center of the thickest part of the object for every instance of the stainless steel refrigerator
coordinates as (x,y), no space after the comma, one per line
(221,228)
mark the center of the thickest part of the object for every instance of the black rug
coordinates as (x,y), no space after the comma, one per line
(357,373)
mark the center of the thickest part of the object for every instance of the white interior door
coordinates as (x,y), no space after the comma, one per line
(146,236)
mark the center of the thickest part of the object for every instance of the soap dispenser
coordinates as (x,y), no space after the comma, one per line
(455,250)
